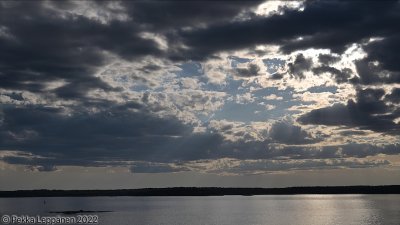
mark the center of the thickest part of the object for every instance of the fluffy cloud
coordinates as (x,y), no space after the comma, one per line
(169,86)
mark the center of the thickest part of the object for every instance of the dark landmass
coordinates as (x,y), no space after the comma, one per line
(77,212)
(206,191)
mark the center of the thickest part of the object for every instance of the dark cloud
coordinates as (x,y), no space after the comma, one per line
(364,150)
(77,90)
(277,76)
(355,23)
(370,101)
(120,134)
(150,68)
(341,76)
(299,66)
(40,45)
(45,47)
(286,133)
(371,72)
(327,59)
(15,96)
(163,15)
(369,112)
(352,132)
(112,134)
(386,51)
(394,96)
(251,70)
(115,133)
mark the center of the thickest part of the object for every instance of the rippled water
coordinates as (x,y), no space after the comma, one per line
(243,210)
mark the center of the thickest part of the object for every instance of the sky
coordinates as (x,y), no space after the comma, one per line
(128,94)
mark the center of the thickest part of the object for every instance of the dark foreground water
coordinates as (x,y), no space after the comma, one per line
(243,210)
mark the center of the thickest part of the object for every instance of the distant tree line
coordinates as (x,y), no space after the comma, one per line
(207,191)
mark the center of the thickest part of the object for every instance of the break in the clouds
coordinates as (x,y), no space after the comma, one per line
(226,87)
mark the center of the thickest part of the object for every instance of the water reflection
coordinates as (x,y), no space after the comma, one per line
(277,210)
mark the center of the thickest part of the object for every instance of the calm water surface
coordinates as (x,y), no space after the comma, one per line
(221,210)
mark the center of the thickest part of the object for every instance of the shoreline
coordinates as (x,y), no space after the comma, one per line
(205,191)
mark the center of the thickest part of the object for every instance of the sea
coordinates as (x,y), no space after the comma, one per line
(204,210)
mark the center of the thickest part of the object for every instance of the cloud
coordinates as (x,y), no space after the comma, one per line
(267,166)
(341,76)
(70,54)
(328,59)
(385,51)
(273,97)
(364,150)
(297,29)
(394,96)
(171,14)
(147,167)
(49,48)
(372,72)
(128,135)
(299,66)
(260,166)
(286,133)
(121,132)
(45,168)
(251,70)
(369,112)
(152,85)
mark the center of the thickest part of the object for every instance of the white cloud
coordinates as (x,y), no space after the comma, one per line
(273,97)
(269,107)
(270,8)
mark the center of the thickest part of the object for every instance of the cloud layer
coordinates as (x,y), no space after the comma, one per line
(172,86)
